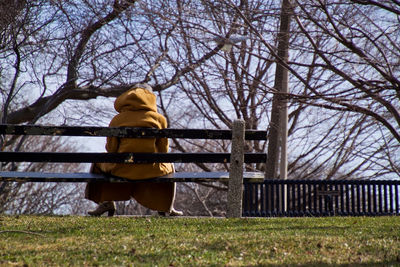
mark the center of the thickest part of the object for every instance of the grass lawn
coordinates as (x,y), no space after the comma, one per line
(154,241)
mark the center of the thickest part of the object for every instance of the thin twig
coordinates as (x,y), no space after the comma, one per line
(22,232)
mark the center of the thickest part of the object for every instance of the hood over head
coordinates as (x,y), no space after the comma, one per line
(143,86)
(136,98)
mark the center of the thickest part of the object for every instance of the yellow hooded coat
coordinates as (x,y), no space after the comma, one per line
(137,108)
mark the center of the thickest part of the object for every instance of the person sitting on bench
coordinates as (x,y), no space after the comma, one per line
(137,108)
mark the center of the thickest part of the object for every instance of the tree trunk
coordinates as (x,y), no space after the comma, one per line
(279,98)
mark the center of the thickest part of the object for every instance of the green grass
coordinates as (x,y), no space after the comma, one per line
(152,241)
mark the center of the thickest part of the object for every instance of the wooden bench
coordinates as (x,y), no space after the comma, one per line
(235,177)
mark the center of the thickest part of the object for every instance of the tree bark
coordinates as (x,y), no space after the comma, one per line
(279,98)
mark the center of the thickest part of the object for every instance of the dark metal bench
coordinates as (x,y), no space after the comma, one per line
(235,178)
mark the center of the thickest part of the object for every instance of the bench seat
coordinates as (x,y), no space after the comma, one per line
(248,177)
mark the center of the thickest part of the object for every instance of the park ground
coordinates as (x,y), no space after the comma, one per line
(156,241)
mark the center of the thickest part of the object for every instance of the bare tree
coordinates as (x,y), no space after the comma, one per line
(61,50)
(343,63)
(277,139)
(356,47)
(42,198)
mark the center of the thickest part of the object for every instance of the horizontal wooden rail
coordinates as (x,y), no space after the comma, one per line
(129,132)
(248,177)
(126,157)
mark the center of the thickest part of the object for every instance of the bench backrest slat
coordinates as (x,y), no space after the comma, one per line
(126,157)
(127,132)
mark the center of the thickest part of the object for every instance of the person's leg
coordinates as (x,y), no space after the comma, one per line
(106,206)
(172,211)
(158,196)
